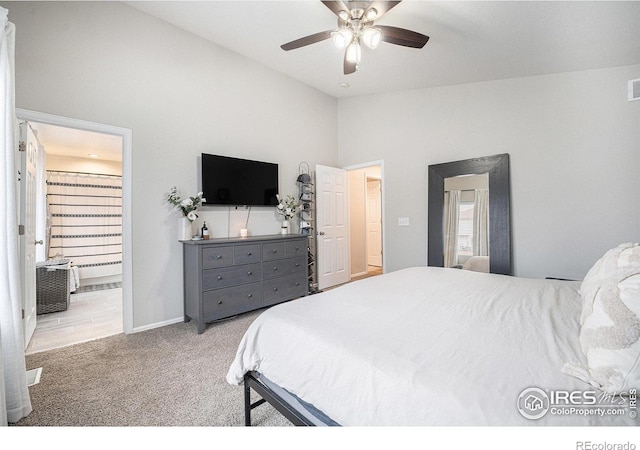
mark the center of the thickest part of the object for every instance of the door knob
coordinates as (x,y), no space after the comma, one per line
(39,242)
(320,233)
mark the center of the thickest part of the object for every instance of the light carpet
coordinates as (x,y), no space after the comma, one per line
(168,376)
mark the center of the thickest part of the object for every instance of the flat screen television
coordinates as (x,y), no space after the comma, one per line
(239,182)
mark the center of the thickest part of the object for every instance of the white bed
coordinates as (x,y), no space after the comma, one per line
(424,346)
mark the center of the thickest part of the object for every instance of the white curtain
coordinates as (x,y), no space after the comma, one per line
(14,393)
(481,223)
(451,211)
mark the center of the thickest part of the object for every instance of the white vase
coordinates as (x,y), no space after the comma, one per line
(285,227)
(184,229)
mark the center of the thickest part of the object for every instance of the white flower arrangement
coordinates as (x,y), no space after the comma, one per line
(287,206)
(187,206)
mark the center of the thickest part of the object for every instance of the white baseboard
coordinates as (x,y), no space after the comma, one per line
(158,325)
(33,376)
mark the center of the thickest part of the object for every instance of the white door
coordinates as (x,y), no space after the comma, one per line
(374,223)
(27,185)
(332,221)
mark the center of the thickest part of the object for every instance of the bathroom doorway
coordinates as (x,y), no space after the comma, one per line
(87,223)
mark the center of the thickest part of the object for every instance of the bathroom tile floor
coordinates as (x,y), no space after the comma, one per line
(90,315)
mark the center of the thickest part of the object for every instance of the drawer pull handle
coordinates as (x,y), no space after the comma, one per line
(219,257)
(274,251)
(297,264)
(250,296)
(249,273)
(275,289)
(219,277)
(298,283)
(275,268)
(220,302)
(297,248)
(248,253)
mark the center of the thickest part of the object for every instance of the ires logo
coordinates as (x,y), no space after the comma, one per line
(534,403)
(574,398)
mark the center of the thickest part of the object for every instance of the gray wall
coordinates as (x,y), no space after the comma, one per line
(573,138)
(109,63)
(574,145)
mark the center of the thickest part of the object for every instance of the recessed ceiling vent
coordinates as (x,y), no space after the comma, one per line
(634,89)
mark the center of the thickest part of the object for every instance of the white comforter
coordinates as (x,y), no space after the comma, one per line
(423,346)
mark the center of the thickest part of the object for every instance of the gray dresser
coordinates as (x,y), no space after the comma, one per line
(229,276)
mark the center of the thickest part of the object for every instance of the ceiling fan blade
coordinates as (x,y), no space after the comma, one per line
(307,40)
(349,67)
(336,6)
(400,36)
(381,8)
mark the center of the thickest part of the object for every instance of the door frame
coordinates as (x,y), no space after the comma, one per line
(379,163)
(367,180)
(127,137)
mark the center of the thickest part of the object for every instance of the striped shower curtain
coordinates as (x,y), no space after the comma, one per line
(86,221)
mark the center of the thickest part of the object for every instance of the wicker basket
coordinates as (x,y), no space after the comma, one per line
(52,288)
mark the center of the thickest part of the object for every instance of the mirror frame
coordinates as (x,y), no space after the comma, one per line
(497,167)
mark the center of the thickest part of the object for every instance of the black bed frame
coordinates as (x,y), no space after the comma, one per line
(268,395)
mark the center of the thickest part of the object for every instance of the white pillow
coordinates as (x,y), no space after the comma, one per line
(610,319)
(477,264)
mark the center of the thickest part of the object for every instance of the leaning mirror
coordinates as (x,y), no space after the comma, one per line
(469,214)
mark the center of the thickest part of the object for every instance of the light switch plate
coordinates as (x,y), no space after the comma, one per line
(403,221)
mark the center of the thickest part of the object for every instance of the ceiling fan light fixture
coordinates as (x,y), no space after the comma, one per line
(354,53)
(372,37)
(356,27)
(342,37)
(357,13)
(371,14)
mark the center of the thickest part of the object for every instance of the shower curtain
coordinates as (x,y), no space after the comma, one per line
(86,222)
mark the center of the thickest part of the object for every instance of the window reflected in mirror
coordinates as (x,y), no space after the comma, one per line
(466,222)
(453,239)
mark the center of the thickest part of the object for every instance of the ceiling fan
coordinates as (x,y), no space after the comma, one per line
(355,26)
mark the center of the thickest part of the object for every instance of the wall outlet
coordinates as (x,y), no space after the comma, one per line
(403,221)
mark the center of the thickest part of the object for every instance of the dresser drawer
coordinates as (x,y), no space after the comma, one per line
(283,267)
(247,254)
(230,301)
(285,288)
(217,257)
(231,276)
(296,248)
(272,251)
(225,277)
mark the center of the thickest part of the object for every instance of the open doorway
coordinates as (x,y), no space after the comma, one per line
(349,223)
(86,223)
(366,222)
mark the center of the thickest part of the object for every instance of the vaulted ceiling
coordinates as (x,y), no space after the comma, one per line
(470,41)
